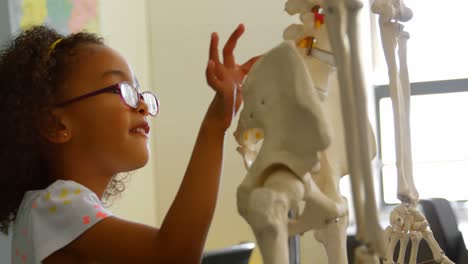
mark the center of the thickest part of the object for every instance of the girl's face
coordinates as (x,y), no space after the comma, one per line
(101,128)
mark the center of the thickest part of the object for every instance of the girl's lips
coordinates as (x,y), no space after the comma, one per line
(140,132)
(142,127)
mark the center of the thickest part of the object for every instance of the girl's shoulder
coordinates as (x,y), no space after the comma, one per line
(62,187)
(51,218)
(61,197)
(65,185)
(60,191)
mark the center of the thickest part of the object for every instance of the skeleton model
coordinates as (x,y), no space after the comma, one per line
(288,170)
(291,136)
(405,221)
(299,125)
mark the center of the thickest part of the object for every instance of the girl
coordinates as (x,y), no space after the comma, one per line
(73,117)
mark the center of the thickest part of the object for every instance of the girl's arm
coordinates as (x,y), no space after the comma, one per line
(192,210)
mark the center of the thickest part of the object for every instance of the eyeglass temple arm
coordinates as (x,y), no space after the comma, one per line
(79,98)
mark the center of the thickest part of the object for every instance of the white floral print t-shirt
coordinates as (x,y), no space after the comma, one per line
(50,219)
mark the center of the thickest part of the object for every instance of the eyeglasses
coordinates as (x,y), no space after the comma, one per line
(128,93)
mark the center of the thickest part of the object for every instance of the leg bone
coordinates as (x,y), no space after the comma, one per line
(333,237)
(267,210)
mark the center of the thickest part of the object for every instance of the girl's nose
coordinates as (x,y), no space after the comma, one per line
(142,107)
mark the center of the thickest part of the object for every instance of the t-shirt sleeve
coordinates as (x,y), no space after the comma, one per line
(60,214)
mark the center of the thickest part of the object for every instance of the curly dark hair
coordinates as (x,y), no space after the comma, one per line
(29,78)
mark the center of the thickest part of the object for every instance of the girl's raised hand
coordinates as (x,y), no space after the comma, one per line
(226,79)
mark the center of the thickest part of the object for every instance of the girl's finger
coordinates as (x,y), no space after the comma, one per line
(214,53)
(245,68)
(211,76)
(228,55)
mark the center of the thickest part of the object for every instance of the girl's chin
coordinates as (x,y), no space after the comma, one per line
(141,161)
(136,160)
(134,154)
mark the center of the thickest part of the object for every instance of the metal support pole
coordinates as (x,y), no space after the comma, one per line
(294,246)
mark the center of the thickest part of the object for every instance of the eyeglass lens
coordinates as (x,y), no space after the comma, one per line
(152,103)
(130,95)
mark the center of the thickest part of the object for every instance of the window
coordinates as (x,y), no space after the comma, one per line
(438,70)
(437,48)
(439,137)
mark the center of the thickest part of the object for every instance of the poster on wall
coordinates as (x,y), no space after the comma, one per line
(66,16)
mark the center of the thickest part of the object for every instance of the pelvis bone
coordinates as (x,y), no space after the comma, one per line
(291,138)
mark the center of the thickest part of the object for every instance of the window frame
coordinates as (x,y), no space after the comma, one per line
(417,88)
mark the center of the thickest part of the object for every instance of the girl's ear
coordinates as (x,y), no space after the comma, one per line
(54,126)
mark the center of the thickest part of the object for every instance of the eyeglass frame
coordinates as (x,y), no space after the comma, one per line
(112,88)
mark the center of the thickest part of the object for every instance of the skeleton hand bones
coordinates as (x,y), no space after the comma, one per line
(406,224)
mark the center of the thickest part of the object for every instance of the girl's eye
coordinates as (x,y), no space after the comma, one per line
(116,91)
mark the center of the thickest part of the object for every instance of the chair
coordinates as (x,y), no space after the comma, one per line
(444,225)
(238,254)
